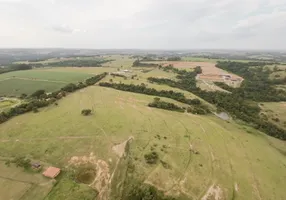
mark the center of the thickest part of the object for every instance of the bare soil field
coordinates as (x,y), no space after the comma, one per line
(210,71)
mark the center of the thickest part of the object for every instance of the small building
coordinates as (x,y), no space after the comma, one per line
(36,165)
(52,172)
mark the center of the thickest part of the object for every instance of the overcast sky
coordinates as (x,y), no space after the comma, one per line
(147,24)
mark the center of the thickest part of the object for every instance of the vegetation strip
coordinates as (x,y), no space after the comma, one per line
(157,103)
(255,87)
(142,89)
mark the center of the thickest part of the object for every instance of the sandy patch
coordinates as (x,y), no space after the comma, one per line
(101,181)
(119,149)
(236,187)
(214,192)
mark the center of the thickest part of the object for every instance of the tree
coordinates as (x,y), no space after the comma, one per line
(151,158)
(38,93)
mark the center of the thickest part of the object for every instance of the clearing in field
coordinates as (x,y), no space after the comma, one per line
(226,160)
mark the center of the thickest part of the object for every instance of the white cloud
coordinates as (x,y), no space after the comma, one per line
(143,23)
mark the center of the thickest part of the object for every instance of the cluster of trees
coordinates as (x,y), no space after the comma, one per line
(224,86)
(20,161)
(137,63)
(141,191)
(15,67)
(86,112)
(157,103)
(255,87)
(120,75)
(174,58)
(151,158)
(41,99)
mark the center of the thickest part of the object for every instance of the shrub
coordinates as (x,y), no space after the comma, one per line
(151,158)
(86,112)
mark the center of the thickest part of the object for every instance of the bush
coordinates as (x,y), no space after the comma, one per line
(151,158)
(35,110)
(86,112)
(22,162)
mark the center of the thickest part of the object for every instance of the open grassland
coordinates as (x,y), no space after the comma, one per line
(120,61)
(234,161)
(276,112)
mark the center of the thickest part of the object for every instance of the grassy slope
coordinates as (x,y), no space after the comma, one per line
(228,154)
(275,110)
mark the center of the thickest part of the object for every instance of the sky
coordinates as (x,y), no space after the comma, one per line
(143,24)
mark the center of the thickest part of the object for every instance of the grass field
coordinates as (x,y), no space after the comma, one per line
(28,81)
(16,87)
(274,111)
(239,162)
(50,75)
(19,184)
(119,60)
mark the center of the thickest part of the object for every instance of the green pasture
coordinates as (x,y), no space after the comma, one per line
(16,87)
(238,160)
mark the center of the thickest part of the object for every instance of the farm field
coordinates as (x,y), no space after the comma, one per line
(276,112)
(233,161)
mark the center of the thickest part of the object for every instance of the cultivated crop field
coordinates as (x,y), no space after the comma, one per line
(232,160)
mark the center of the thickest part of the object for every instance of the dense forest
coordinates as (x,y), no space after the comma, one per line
(255,87)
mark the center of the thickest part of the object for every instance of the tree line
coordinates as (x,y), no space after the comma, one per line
(157,103)
(238,103)
(137,63)
(142,89)
(73,63)
(40,98)
(15,67)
